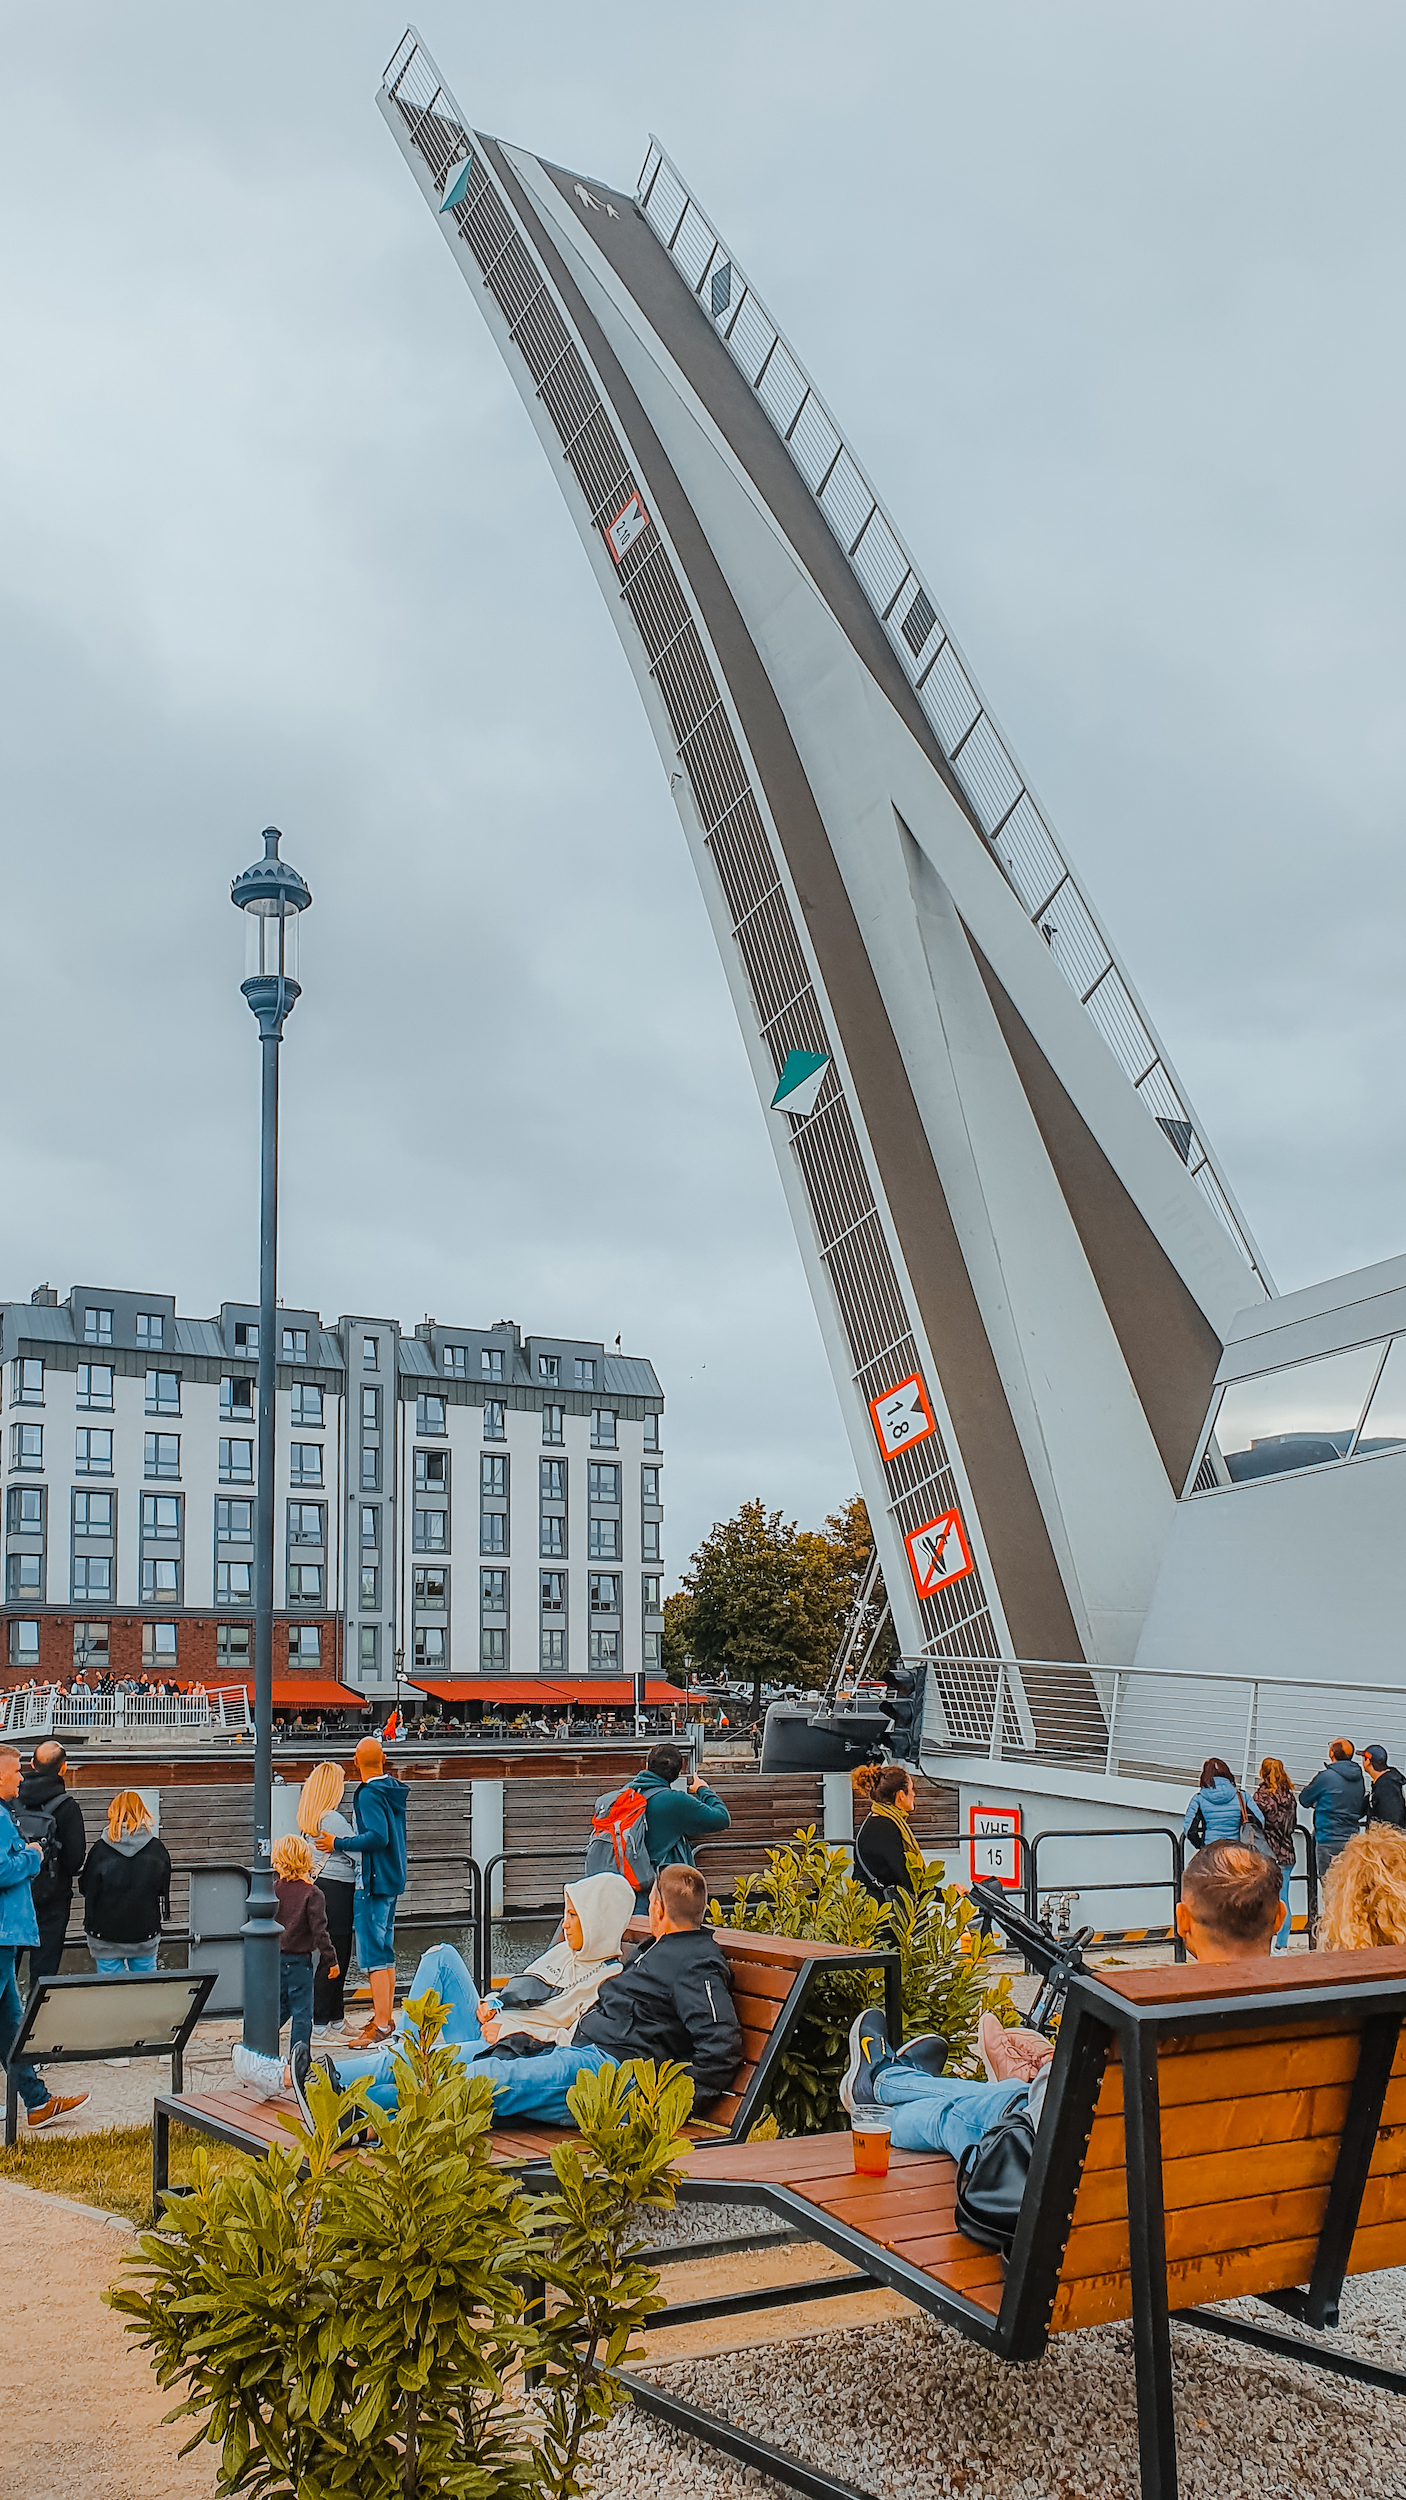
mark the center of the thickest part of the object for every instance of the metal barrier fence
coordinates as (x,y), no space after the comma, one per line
(79,1712)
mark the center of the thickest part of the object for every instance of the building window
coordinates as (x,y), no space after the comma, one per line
(246,1336)
(429,1415)
(603,1428)
(492,1531)
(432,1470)
(161,1516)
(605,1653)
(371,1525)
(24,1510)
(305,1584)
(371,1469)
(585,1373)
(649,1545)
(162,1453)
(553,1651)
(551,1425)
(432,1586)
(306,1524)
(95,1385)
(493,1592)
(549,1369)
(305,1462)
(490,1362)
(27,1445)
(234,1522)
(493,1428)
(24,1644)
(370,1589)
(431,1641)
(305,1404)
(370,1354)
(92,1453)
(429,1531)
(456,1361)
(604,1593)
(654,1653)
(25,1579)
(554,1592)
(304,1645)
(158,1647)
(295,1345)
(651,1590)
(370,1651)
(163,1393)
(370,1410)
(553,1539)
(97,1328)
(603,1540)
(493,1477)
(604,1484)
(492,1651)
(236,1461)
(27,1382)
(237,1398)
(651,1431)
(151,1328)
(90,1647)
(161,1581)
(232,1648)
(92,1514)
(232,1583)
(553,1472)
(649,1484)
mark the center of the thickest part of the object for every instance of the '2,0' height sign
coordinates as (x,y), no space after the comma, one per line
(902,1416)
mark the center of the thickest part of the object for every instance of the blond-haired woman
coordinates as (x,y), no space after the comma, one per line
(1364,1898)
(126,1888)
(336,1881)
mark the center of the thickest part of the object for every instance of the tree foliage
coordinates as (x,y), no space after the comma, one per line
(349,2323)
(808,1890)
(766,1602)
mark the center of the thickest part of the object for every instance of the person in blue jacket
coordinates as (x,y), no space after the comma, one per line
(378,1846)
(1214,1812)
(1338,1796)
(20,1861)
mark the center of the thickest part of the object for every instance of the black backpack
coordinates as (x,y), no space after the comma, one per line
(39,1826)
(991,2179)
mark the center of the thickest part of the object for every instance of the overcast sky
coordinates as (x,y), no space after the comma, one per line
(1109,301)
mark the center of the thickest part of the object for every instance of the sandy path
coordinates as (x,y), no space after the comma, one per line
(81,2409)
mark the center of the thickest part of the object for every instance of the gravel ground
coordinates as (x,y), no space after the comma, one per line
(910,2408)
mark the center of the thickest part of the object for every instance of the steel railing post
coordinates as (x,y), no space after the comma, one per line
(998,1711)
(1249,1752)
(1110,1759)
(1178,1870)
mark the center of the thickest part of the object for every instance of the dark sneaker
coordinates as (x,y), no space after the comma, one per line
(868,2052)
(300,2061)
(928,2053)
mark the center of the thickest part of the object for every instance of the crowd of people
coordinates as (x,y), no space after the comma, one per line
(103,1681)
(1348,1797)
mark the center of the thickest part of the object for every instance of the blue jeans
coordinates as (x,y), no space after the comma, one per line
(295,1995)
(445,1974)
(373,1925)
(1281,1941)
(112,1965)
(32,2092)
(939,2113)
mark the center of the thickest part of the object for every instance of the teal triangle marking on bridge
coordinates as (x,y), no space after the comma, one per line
(457,185)
(800,1082)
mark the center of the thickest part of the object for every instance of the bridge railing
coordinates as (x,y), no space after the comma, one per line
(47,1712)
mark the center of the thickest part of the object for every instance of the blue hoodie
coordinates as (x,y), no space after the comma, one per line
(20,1862)
(1220,1804)
(378,1843)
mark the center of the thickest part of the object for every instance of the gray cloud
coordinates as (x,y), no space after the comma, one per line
(1105,300)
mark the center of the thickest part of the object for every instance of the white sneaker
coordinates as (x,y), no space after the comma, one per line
(263,2076)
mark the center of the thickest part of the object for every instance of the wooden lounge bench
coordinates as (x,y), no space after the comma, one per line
(1208,2132)
(772,1978)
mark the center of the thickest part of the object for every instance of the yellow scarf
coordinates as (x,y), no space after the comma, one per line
(893,1814)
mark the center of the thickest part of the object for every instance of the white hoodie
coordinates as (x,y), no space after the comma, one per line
(603,1904)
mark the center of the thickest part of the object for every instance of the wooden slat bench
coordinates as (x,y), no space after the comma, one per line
(772,1978)
(1208,2132)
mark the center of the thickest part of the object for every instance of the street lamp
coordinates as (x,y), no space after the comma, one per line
(272,897)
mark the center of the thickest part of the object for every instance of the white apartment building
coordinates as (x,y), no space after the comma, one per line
(452,1504)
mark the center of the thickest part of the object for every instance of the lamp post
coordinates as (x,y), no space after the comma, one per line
(272,897)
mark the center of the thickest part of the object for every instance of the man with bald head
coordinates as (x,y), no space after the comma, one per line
(44,1792)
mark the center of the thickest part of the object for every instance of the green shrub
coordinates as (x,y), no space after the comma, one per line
(808,1891)
(349,2325)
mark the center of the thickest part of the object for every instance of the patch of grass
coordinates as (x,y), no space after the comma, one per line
(110,2168)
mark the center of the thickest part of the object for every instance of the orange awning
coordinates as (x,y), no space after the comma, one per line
(592,1692)
(298,1692)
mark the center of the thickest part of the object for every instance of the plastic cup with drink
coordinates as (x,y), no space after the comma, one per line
(869,2136)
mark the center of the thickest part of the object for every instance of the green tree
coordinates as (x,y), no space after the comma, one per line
(851,1540)
(678,1640)
(761,1602)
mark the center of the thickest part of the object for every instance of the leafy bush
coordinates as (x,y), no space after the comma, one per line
(808,1891)
(347,2322)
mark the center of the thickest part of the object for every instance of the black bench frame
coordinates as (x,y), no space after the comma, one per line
(1093,2017)
(44,1992)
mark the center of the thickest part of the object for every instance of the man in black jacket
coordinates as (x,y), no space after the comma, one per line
(1385,1800)
(44,1791)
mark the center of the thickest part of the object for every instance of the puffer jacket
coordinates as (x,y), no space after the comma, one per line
(19,1864)
(1220,1804)
(1338,1796)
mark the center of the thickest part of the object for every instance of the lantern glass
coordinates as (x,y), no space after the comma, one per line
(271,938)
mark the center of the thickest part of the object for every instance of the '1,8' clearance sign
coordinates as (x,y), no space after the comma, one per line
(902,1416)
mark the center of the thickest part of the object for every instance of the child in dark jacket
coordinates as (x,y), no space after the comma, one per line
(303,1913)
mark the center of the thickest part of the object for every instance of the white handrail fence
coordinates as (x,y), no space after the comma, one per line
(47,1711)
